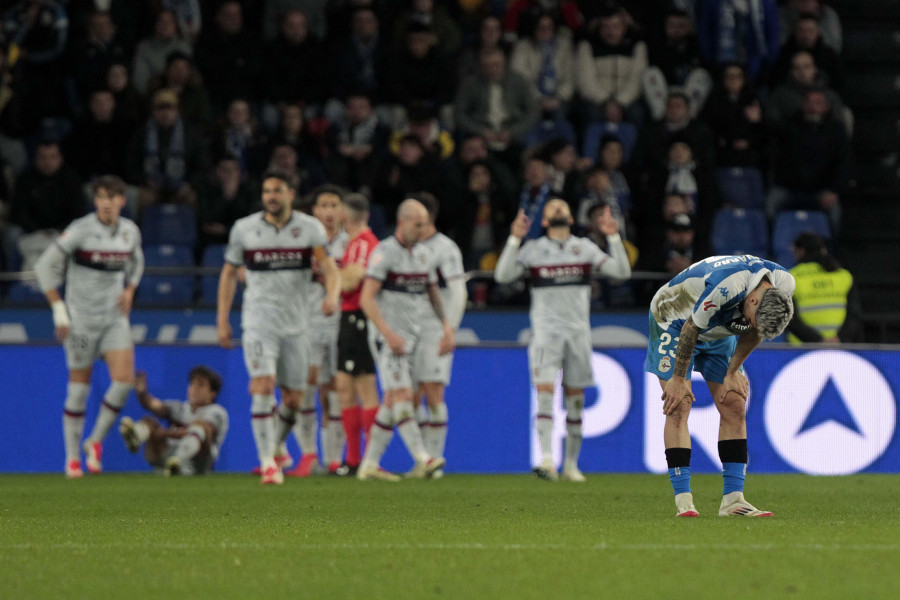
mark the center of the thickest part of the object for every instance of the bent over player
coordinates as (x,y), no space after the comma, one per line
(560,268)
(102,259)
(400,282)
(197,427)
(712,315)
(276,245)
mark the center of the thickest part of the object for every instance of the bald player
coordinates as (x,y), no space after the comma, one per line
(560,267)
(398,294)
(276,245)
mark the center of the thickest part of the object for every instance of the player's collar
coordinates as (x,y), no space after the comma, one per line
(271,224)
(113,229)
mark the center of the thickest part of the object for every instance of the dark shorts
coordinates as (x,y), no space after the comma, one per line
(354,356)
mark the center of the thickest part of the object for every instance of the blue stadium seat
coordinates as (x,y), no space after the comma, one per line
(171,224)
(549,130)
(740,231)
(791,223)
(741,187)
(626,132)
(25,293)
(167,289)
(214,256)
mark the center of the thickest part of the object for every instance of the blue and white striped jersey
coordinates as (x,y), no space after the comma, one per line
(711,292)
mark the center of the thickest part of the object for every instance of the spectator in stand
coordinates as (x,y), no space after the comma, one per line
(827,17)
(545,58)
(676,61)
(811,162)
(294,131)
(609,66)
(678,251)
(47,198)
(276,10)
(607,292)
(739,31)
(566,171)
(490,37)
(129,104)
(483,215)
(536,191)
(436,18)
(808,37)
(522,14)
(598,190)
(164,153)
(284,159)
(356,144)
(611,161)
(180,76)
(734,115)
(412,170)
(360,64)
(652,149)
(498,104)
(230,59)
(787,99)
(36,32)
(188,16)
(423,124)
(421,71)
(223,196)
(152,52)
(239,135)
(294,68)
(99,140)
(101,48)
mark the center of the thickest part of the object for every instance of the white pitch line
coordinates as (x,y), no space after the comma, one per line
(601,546)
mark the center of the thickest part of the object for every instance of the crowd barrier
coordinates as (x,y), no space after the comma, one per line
(818,411)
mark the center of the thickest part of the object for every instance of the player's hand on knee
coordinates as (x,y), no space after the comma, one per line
(447,344)
(329,307)
(396,343)
(677,390)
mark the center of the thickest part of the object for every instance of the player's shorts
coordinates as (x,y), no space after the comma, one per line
(550,351)
(323,352)
(428,365)
(87,342)
(284,356)
(395,371)
(354,355)
(710,358)
(201,464)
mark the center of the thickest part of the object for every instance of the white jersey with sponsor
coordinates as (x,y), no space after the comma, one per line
(711,292)
(182,414)
(279,274)
(102,260)
(404,274)
(560,274)
(336,248)
(448,267)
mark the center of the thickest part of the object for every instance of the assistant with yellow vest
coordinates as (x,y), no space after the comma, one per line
(823,296)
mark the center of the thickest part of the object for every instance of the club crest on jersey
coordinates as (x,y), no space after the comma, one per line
(295,232)
(665,364)
(576,250)
(708,305)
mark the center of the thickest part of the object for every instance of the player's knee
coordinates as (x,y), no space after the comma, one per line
(434,394)
(680,413)
(733,407)
(543,388)
(117,394)
(293,399)
(76,397)
(262,385)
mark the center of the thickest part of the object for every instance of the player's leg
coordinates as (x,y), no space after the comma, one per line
(155,439)
(261,360)
(545,361)
(435,433)
(351,418)
(577,375)
(191,448)
(333,442)
(676,437)
(306,425)
(291,373)
(81,351)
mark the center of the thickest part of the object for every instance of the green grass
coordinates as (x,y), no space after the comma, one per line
(222,537)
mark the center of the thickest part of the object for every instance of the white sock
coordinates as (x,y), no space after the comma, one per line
(263,427)
(409,431)
(141,431)
(379,436)
(422,415)
(334,446)
(189,446)
(73,418)
(574,412)
(307,424)
(436,434)
(545,424)
(113,401)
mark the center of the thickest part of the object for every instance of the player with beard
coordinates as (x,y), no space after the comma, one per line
(560,267)
(277,246)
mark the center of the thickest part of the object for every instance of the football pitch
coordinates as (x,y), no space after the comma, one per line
(128,536)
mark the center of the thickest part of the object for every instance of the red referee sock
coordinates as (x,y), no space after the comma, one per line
(351,418)
(368,419)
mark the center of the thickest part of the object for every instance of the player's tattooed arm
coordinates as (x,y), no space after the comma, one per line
(685,349)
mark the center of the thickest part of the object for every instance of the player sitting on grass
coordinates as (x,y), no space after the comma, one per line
(196,431)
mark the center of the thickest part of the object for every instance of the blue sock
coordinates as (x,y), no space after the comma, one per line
(681,479)
(733,473)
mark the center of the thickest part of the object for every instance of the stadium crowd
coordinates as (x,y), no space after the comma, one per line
(667,111)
